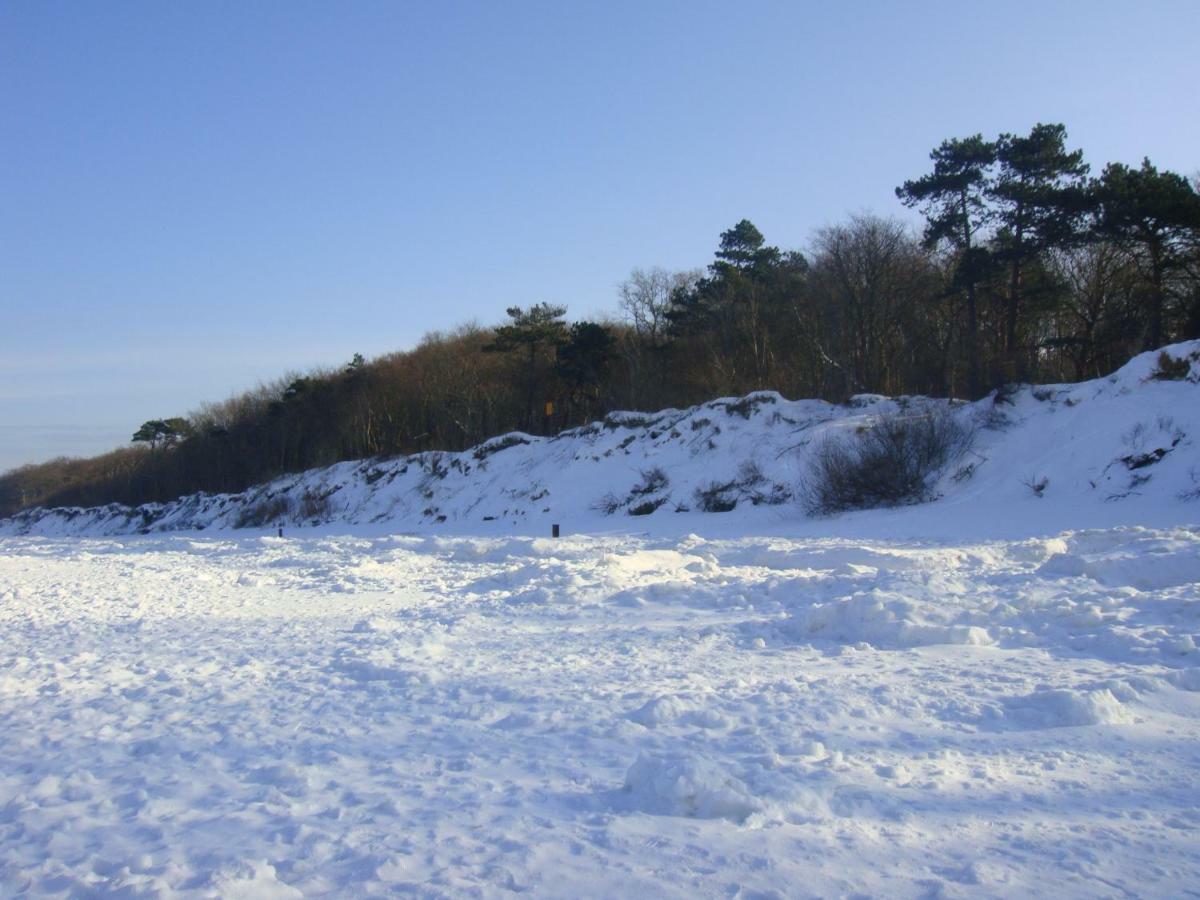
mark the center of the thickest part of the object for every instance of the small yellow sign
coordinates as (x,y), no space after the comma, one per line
(549,408)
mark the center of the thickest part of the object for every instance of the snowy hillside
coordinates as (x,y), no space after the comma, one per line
(1117,450)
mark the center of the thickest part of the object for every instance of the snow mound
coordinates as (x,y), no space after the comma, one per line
(669,709)
(883,619)
(251,880)
(1145,562)
(1186,679)
(661,711)
(1067,709)
(694,787)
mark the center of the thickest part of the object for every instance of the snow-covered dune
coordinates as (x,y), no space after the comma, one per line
(1118,450)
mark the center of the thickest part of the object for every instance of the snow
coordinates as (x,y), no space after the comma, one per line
(988,694)
(232,715)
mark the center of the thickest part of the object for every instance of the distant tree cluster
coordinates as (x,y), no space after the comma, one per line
(1019,224)
(1027,269)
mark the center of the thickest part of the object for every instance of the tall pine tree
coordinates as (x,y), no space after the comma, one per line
(1156,216)
(1037,201)
(953,200)
(534,331)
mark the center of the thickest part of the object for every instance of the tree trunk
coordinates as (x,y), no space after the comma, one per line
(972,341)
(972,312)
(1013,365)
(1154,334)
(531,387)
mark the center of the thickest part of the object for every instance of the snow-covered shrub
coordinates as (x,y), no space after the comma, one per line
(375,474)
(1005,394)
(750,484)
(616,420)
(1150,443)
(1192,493)
(749,474)
(608,504)
(653,481)
(891,463)
(434,464)
(313,506)
(264,511)
(716,497)
(1171,368)
(647,506)
(749,404)
(640,500)
(1037,484)
(486,449)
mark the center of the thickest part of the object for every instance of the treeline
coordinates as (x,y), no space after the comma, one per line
(1028,269)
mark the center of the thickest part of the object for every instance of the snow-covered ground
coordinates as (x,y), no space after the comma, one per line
(600,716)
(997,693)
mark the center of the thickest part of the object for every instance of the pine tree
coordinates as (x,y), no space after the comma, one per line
(1156,216)
(583,363)
(742,249)
(953,199)
(733,312)
(1037,201)
(162,432)
(533,331)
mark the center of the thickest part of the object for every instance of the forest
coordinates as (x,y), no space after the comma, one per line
(1030,267)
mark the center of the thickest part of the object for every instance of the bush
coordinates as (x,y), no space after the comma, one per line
(483,451)
(1171,368)
(653,481)
(891,463)
(313,506)
(1192,493)
(647,506)
(434,464)
(750,484)
(747,405)
(263,512)
(1006,394)
(1037,485)
(630,420)
(716,497)
(608,504)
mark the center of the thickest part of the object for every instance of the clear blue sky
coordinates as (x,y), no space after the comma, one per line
(196,196)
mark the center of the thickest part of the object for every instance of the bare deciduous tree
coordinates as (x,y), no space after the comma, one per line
(645,297)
